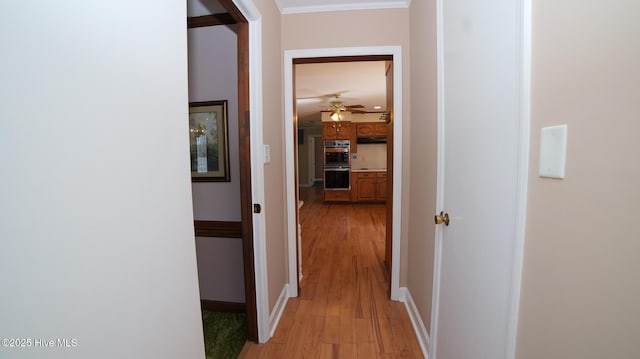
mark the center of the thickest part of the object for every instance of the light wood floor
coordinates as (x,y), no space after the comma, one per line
(343,310)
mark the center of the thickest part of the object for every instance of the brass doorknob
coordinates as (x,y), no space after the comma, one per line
(442,217)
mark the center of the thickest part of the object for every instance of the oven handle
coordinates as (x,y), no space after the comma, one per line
(336,169)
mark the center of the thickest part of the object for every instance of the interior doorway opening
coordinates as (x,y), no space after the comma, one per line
(343,102)
(391,57)
(236,234)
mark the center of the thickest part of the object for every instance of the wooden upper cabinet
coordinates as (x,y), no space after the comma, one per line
(366,129)
(371,129)
(336,130)
(381,129)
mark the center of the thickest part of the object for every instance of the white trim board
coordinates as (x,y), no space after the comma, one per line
(287,7)
(418,325)
(289,55)
(278,309)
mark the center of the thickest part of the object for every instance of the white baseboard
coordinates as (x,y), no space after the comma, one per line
(278,309)
(416,321)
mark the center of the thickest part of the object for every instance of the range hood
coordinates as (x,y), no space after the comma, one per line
(364,140)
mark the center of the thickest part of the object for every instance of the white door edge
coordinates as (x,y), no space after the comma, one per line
(523,174)
(523,171)
(437,260)
(289,55)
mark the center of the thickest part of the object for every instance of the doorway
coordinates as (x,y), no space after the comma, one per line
(352,152)
(393,52)
(227,14)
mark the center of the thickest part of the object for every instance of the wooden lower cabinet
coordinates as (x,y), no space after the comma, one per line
(369,186)
(337,195)
(381,186)
(365,187)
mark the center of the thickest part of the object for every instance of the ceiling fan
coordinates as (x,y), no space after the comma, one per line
(335,102)
(336,105)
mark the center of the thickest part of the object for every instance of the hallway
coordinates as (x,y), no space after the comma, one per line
(343,310)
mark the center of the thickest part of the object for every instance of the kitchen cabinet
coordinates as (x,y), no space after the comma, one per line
(381,186)
(365,186)
(337,195)
(366,130)
(371,129)
(369,186)
(340,130)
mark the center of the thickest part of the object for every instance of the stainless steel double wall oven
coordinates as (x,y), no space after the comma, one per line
(337,165)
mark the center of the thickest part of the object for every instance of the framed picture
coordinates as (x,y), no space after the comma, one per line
(208,140)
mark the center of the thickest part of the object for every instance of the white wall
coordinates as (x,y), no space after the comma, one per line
(213,75)
(580,287)
(423,156)
(96,232)
(380,27)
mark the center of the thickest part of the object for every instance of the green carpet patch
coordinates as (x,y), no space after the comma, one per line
(224,334)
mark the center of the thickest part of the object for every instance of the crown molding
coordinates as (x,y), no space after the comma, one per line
(286,7)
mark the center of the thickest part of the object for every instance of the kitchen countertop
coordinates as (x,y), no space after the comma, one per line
(364,169)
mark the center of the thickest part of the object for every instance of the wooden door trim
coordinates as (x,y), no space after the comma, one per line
(326,59)
(218,229)
(388,251)
(210,20)
(246,198)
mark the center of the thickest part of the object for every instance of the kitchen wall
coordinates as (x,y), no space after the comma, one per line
(423,161)
(387,27)
(370,155)
(580,288)
(213,76)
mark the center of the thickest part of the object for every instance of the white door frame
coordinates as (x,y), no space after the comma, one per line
(525,16)
(289,55)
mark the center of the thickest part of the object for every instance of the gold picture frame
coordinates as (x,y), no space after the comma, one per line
(209,141)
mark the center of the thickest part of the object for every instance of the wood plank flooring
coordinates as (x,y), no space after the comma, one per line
(343,310)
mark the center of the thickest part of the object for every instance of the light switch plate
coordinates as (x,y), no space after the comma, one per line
(267,154)
(553,151)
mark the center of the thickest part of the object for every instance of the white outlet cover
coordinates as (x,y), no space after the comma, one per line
(553,151)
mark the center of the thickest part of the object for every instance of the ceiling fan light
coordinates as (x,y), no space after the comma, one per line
(335,116)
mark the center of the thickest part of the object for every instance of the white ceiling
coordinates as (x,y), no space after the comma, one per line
(303,6)
(207,7)
(360,83)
